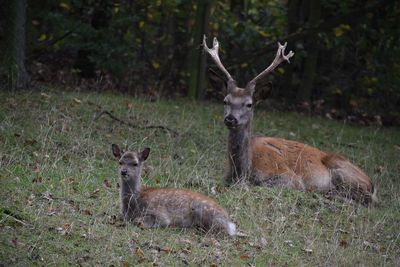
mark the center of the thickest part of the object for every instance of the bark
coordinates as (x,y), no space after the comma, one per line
(196,60)
(311,45)
(293,18)
(17,75)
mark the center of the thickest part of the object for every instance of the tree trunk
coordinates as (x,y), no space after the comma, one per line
(311,44)
(196,58)
(288,89)
(17,76)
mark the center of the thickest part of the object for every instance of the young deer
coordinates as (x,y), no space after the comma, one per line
(279,162)
(162,207)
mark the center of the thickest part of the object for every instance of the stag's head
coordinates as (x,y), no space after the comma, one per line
(238,103)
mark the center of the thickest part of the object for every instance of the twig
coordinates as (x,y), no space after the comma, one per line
(105,112)
(15,217)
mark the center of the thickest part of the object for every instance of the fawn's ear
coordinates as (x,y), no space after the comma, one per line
(144,154)
(116,151)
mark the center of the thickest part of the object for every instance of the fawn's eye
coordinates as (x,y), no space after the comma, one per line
(249,105)
(225,102)
(134,164)
(120,162)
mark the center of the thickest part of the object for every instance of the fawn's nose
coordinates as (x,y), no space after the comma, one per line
(124,172)
(230,121)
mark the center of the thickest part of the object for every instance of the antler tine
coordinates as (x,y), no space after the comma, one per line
(279,58)
(214,55)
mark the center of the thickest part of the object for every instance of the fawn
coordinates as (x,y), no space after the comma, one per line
(162,207)
(279,162)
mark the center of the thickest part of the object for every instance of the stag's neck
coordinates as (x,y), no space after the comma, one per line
(239,154)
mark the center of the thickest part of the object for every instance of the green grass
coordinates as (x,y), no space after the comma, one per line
(55,209)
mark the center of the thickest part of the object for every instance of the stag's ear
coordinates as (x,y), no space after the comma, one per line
(116,151)
(144,154)
(263,91)
(216,81)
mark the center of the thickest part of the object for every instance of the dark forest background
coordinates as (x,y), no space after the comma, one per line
(346,62)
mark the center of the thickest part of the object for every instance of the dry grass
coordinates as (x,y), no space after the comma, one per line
(56,207)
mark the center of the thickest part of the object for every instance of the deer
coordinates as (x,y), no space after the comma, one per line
(163,207)
(273,161)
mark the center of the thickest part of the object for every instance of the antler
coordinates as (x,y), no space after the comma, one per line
(214,55)
(279,58)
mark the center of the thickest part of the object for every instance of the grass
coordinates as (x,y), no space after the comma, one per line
(59,196)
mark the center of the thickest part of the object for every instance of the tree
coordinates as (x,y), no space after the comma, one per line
(311,45)
(15,42)
(196,59)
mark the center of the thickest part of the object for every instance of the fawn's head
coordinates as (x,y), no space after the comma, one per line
(238,103)
(130,163)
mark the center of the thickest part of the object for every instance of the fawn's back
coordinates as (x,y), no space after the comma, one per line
(183,207)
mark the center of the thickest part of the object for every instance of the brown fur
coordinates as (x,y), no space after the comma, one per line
(277,161)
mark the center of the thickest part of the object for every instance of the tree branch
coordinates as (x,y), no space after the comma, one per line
(323,26)
(162,127)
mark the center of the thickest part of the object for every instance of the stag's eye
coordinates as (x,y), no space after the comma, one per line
(120,162)
(249,105)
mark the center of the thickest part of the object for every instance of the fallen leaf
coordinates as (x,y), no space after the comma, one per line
(95,193)
(87,212)
(215,190)
(77,100)
(66,229)
(308,250)
(36,169)
(342,231)
(371,245)
(37,179)
(289,243)
(187,241)
(241,234)
(47,195)
(30,142)
(45,95)
(12,102)
(31,198)
(167,250)
(344,243)
(244,257)
(106,184)
(139,252)
(14,242)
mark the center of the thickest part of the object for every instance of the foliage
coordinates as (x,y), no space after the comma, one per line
(59,201)
(144,47)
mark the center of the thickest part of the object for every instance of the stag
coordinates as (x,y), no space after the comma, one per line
(278,162)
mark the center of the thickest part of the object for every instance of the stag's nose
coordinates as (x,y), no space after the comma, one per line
(230,121)
(124,172)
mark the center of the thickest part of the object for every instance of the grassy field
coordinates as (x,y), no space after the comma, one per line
(60,204)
